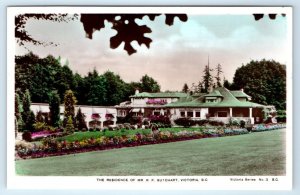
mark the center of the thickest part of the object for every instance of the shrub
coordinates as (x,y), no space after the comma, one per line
(159,119)
(281,119)
(216,123)
(202,122)
(234,122)
(27,136)
(146,122)
(154,127)
(69,125)
(186,122)
(40,126)
(83,129)
(110,128)
(242,124)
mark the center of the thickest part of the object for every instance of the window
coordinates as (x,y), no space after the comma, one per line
(182,113)
(156,113)
(222,114)
(211,100)
(190,114)
(197,114)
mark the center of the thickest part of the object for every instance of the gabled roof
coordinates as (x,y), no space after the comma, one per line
(160,95)
(228,100)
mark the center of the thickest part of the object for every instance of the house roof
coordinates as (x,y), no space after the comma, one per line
(160,95)
(239,93)
(214,93)
(228,100)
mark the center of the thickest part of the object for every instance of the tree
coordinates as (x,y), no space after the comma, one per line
(114,87)
(69,103)
(264,81)
(185,88)
(54,103)
(64,80)
(95,89)
(27,115)
(148,84)
(39,117)
(80,120)
(218,76)
(69,125)
(227,84)
(207,78)
(18,111)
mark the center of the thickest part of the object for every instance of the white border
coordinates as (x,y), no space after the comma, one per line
(213,183)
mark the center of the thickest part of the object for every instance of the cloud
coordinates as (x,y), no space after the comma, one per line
(177,54)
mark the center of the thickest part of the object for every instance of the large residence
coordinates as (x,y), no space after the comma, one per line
(220,104)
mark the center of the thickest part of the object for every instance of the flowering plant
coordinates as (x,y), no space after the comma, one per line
(156,101)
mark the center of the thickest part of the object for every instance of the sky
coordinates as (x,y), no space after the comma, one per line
(177,54)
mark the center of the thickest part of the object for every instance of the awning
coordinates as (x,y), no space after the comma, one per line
(135,110)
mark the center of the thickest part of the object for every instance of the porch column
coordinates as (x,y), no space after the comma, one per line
(230,112)
(250,115)
(102,119)
(194,113)
(115,119)
(185,113)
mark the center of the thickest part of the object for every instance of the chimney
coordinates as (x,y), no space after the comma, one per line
(137,91)
(242,89)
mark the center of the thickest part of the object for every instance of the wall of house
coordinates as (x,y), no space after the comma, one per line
(86,110)
(176,112)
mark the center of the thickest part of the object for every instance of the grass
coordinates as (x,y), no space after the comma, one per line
(85,135)
(253,154)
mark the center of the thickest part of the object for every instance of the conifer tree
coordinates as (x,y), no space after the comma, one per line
(69,103)
(54,103)
(80,122)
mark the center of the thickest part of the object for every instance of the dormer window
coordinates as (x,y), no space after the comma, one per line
(211,99)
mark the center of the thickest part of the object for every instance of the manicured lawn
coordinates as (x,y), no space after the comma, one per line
(260,153)
(85,135)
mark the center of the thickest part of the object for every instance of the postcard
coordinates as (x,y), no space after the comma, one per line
(149,98)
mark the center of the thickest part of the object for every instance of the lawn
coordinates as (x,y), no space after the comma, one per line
(85,135)
(260,153)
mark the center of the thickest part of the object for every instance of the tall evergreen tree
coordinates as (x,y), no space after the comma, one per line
(54,103)
(80,120)
(18,111)
(185,88)
(69,103)
(207,78)
(218,76)
(27,115)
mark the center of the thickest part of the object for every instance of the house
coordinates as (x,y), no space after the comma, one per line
(220,104)
(95,116)
(146,104)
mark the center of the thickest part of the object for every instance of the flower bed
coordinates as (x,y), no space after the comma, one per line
(53,147)
(37,136)
(268,127)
